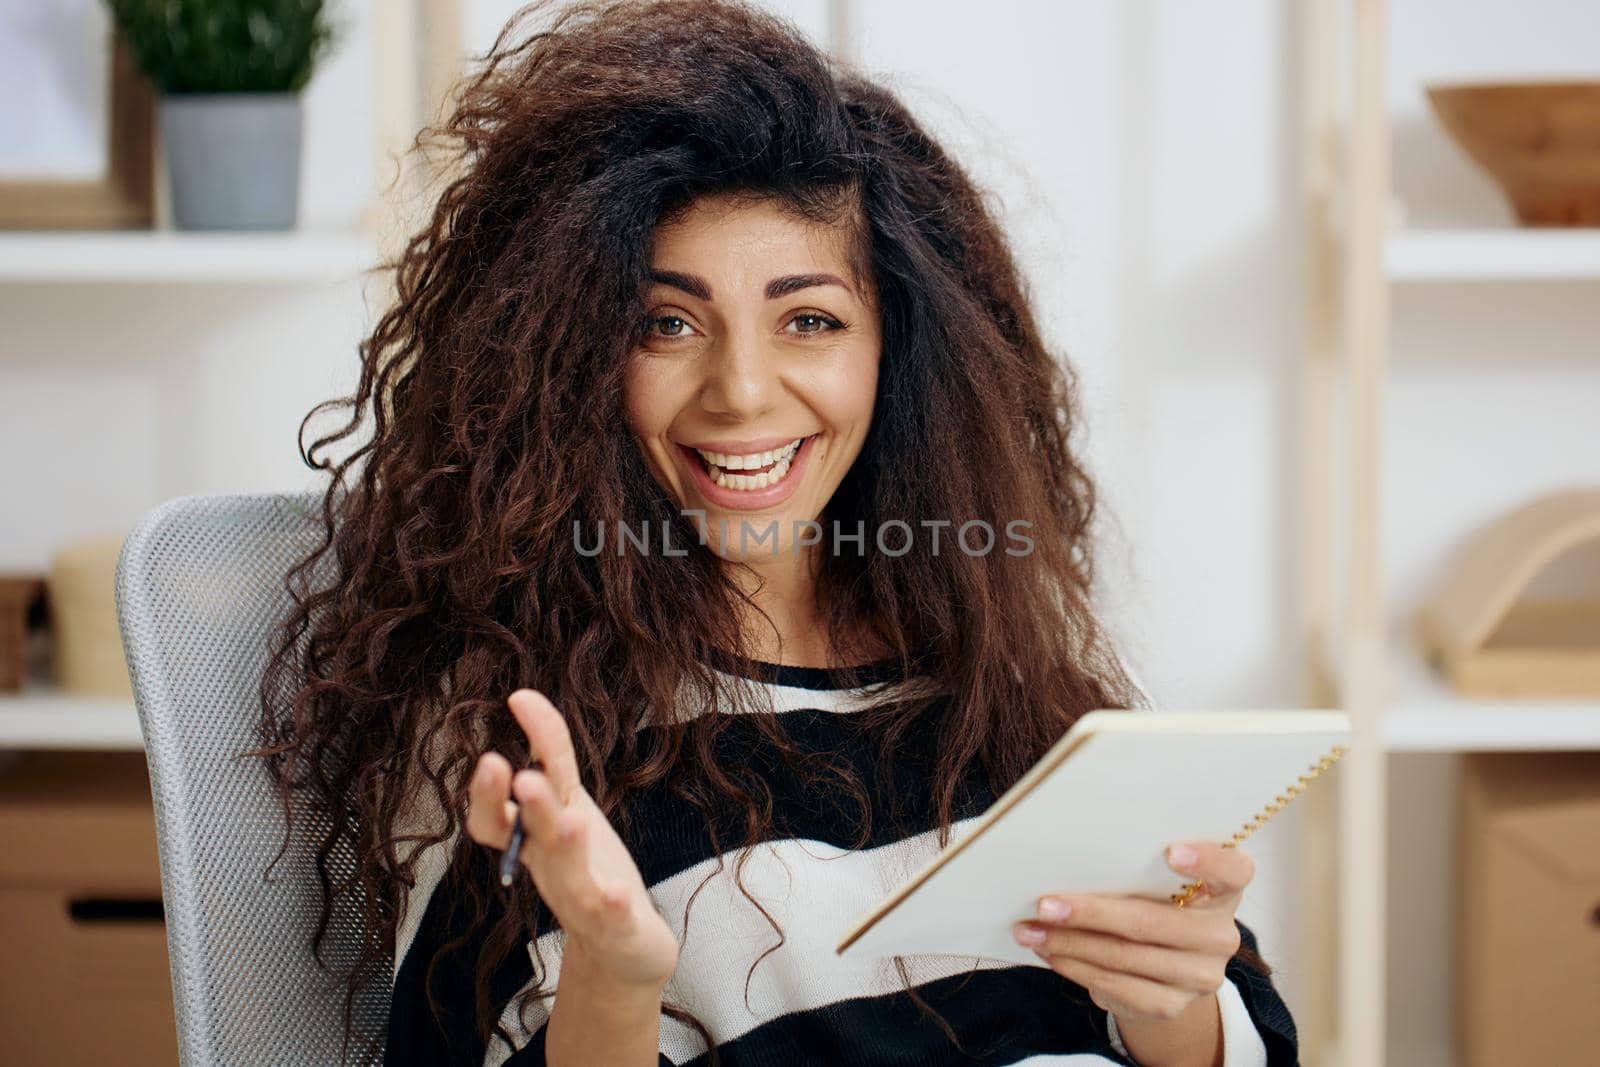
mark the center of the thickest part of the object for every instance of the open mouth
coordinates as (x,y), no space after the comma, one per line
(752,472)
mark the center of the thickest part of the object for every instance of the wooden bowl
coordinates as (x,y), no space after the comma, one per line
(1540,141)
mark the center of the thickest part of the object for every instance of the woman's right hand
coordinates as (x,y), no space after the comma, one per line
(579,865)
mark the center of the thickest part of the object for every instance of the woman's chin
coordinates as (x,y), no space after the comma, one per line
(739,535)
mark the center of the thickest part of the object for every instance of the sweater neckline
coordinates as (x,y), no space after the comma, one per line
(791,676)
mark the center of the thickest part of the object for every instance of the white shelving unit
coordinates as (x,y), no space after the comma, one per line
(157,361)
(1491,255)
(1424,715)
(1410,726)
(41,717)
(163,257)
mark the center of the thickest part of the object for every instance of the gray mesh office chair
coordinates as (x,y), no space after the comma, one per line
(199,585)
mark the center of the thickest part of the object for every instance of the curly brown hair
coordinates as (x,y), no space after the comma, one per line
(494,386)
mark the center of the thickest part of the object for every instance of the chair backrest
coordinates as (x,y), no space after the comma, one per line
(200,583)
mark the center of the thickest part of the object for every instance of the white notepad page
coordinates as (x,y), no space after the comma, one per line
(1095,815)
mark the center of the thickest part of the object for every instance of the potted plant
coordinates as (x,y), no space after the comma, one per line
(228,74)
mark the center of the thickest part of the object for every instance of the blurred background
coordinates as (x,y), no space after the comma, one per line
(1341,395)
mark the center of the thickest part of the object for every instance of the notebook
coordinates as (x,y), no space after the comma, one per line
(1095,815)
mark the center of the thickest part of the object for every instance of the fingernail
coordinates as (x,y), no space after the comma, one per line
(1030,935)
(1182,856)
(1054,908)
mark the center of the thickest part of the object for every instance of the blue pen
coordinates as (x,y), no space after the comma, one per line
(508,858)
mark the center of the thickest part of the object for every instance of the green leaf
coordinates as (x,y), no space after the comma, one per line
(226,46)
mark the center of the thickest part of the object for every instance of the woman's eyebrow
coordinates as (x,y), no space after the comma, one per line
(792,283)
(696,286)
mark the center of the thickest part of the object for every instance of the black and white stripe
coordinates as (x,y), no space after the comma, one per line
(802,1002)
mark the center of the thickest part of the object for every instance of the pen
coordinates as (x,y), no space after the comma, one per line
(508,858)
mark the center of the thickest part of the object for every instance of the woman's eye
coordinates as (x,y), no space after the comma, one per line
(671,327)
(674,326)
(810,322)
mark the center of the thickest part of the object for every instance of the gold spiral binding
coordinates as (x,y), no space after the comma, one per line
(1188,891)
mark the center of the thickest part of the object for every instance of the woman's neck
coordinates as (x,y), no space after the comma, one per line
(784,587)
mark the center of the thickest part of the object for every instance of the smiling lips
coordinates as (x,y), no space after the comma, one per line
(752,475)
(759,469)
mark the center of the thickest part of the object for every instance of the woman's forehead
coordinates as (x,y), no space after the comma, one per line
(743,242)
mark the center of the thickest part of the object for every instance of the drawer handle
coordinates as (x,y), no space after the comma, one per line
(115,910)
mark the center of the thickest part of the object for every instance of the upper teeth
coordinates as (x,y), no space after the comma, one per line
(753,461)
(778,459)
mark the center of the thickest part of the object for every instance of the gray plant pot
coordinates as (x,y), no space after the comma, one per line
(233,160)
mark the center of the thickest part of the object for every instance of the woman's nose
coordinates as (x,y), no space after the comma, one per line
(741,380)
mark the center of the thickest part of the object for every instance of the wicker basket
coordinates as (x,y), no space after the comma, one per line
(83,607)
(17,593)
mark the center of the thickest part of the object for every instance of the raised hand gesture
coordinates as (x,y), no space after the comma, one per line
(579,865)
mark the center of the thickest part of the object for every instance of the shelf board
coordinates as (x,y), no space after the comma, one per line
(43,717)
(1427,716)
(155,256)
(1493,254)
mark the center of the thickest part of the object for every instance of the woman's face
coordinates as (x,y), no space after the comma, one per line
(753,389)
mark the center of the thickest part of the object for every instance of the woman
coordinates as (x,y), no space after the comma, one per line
(719,469)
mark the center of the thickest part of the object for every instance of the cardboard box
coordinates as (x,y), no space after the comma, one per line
(83,975)
(1528,944)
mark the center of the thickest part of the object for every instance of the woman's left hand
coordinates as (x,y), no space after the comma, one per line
(1148,961)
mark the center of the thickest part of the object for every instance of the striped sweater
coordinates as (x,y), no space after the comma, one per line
(802,1003)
